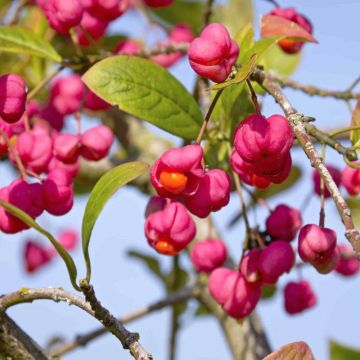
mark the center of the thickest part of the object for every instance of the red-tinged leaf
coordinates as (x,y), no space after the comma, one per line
(355,122)
(277,26)
(299,350)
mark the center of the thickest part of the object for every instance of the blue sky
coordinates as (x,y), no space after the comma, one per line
(124,285)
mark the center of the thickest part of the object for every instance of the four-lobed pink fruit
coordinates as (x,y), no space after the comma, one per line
(13,97)
(207,255)
(288,45)
(170,230)
(63,14)
(298,296)
(230,289)
(317,246)
(283,223)
(347,264)
(35,256)
(96,142)
(58,192)
(213,54)
(350,178)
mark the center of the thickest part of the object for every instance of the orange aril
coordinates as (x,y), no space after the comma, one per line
(173,181)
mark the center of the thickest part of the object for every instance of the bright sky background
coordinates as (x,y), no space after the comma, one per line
(124,285)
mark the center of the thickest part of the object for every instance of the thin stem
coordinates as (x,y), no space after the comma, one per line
(312,90)
(355,82)
(43,83)
(322,191)
(12,149)
(207,117)
(15,16)
(242,201)
(84,339)
(174,324)
(128,340)
(336,145)
(343,131)
(254,98)
(208,12)
(27,295)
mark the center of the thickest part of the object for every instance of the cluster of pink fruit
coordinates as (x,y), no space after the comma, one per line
(89,18)
(239,291)
(179,175)
(36,146)
(37,255)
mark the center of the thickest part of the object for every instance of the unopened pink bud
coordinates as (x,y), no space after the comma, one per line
(350,178)
(208,255)
(316,245)
(94,27)
(13,97)
(213,54)
(69,239)
(66,147)
(35,256)
(298,296)
(71,168)
(230,289)
(249,266)
(127,47)
(34,148)
(96,142)
(263,140)
(213,193)
(348,264)
(275,260)
(95,103)
(106,10)
(67,93)
(170,230)
(283,223)
(58,192)
(63,14)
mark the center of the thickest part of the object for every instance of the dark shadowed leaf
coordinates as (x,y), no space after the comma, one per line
(268,291)
(148,91)
(277,26)
(294,351)
(341,352)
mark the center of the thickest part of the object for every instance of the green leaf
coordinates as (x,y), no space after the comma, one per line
(20,40)
(233,106)
(188,12)
(101,193)
(272,190)
(240,76)
(299,350)
(278,61)
(28,220)
(341,352)
(235,14)
(148,91)
(149,261)
(355,121)
(354,205)
(245,40)
(261,47)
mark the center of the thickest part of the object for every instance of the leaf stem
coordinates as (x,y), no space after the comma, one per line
(41,84)
(207,117)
